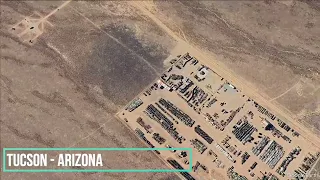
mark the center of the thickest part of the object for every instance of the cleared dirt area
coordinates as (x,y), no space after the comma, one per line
(191,102)
(89,59)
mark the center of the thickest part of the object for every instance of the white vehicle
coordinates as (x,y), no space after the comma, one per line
(168,146)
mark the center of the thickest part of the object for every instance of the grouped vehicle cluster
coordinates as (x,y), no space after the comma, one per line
(201,98)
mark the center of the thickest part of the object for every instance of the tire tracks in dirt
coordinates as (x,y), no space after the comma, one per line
(221,69)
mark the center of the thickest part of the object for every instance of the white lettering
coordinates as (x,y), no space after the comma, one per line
(27,160)
(22,160)
(60,160)
(9,158)
(84,159)
(99,160)
(29,163)
(68,160)
(80,160)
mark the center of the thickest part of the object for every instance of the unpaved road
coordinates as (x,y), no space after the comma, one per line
(239,82)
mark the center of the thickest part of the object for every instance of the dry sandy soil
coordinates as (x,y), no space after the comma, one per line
(279,56)
(315,173)
(64,90)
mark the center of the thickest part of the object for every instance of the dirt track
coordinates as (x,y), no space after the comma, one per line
(243,85)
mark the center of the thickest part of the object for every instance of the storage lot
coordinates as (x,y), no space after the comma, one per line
(191,96)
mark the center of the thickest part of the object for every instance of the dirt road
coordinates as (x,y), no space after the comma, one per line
(240,83)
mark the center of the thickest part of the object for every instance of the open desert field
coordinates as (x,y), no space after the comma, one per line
(87,60)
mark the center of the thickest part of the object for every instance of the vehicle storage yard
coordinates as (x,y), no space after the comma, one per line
(232,136)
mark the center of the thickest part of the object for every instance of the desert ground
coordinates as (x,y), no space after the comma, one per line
(279,56)
(315,173)
(91,58)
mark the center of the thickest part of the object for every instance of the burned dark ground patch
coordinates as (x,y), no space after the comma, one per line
(122,72)
(110,56)
(153,53)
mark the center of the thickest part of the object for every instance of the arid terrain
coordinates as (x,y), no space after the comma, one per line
(64,88)
(279,56)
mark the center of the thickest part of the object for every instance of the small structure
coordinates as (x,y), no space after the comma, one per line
(202,73)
